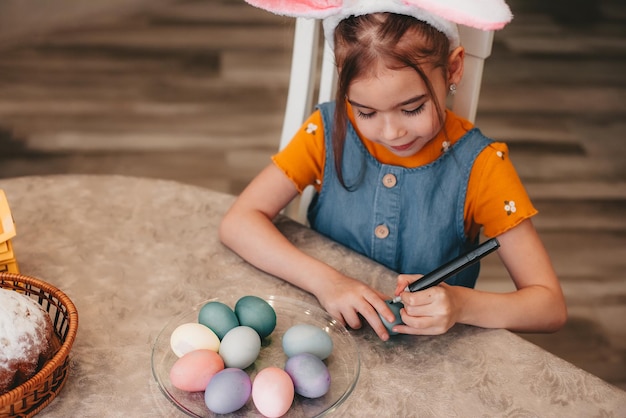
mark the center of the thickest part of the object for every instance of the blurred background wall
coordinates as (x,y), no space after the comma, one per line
(21,19)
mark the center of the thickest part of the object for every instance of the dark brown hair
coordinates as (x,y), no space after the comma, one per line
(397,41)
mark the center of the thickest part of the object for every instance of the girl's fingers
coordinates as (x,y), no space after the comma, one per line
(352,318)
(405,329)
(422,325)
(369,310)
(379,328)
(404,280)
(420,299)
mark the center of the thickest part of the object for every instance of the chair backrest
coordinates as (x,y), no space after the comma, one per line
(311,69)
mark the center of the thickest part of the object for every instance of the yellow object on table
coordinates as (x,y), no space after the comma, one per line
(7,231)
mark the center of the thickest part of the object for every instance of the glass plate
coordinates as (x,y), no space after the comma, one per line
(343,363)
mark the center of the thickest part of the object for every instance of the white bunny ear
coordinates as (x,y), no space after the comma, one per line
(480,14)
(317,9)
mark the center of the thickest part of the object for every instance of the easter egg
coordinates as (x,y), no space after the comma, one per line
(309,374)
(395,308)
(193,336)
(228,391)
(240,347)
(193,371)
(272,392)
(219,317)
(256,313)
(307,338)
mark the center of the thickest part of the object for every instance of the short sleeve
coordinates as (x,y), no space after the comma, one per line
(302,160)
(496,198)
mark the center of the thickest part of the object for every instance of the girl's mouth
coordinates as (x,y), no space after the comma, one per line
(402,147)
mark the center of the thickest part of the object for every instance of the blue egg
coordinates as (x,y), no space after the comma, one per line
(309,374)
(219,317)
(256,313)
(395,308)
(240,347)
(228,391)
(307,338)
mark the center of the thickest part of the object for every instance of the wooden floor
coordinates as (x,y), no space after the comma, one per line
(195,91)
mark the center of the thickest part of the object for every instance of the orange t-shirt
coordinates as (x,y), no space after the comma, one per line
(496,199)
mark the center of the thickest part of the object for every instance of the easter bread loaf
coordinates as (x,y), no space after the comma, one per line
(25,339)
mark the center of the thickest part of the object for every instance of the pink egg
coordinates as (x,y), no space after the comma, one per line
(193,371)
(272,392)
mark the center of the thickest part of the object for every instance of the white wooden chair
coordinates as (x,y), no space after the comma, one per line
(307,73)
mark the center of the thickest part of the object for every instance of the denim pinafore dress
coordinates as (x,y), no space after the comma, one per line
(408,219)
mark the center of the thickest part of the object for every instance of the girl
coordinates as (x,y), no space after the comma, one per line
(402,180)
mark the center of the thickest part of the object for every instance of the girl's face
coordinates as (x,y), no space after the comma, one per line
(393,108)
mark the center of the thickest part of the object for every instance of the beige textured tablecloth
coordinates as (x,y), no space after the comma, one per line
(131,253)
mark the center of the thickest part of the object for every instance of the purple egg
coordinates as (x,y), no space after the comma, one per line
(228,391)
(310,375)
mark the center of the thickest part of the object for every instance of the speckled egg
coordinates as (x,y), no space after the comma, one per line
(193,371)
(309,374)
(307,338)
(219,317)
(257,314)
(240,347)
(228,391)
(193,336)
(272,392)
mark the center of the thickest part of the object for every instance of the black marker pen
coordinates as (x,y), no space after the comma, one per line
(453,267)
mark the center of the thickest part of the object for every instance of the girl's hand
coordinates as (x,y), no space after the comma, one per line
(346,298)
(403,282)
(427,312)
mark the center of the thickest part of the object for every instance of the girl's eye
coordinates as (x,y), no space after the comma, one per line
(412,112)
(415,111)
(365,115)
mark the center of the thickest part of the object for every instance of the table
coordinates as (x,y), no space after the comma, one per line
(133,252)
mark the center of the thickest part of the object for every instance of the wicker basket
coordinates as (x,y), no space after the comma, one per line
(32,396)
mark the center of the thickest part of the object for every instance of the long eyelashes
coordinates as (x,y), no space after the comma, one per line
(415,111)
(412,112)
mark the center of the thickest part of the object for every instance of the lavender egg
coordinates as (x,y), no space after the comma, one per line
(309,374)
(228,391)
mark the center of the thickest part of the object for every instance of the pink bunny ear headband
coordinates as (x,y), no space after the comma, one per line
(443,15)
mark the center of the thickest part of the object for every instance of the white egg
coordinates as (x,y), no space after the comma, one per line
(240,347)
(193,336)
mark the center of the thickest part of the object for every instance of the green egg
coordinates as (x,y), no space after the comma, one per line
(256,313)
(218,317)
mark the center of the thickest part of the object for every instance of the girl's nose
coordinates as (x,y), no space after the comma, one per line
(391,128)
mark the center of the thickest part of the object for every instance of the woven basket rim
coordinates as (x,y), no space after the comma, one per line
(59,358)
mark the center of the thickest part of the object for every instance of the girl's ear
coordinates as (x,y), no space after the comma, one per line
(455,65)
(317,9)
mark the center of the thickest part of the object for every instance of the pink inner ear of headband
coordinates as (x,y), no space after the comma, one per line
(480,14)
(299,8)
